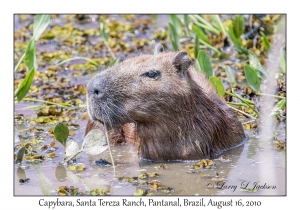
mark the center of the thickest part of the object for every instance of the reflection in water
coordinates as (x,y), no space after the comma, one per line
(94,182)
(21,173)
(242,167)
(268,122)
(61,173)
(44,183)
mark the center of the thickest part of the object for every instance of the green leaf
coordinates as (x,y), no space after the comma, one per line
(219,24)
(72,148)
(25,85)
(175,21)
(282,60)
(230,75)
(215,21)
(256,65)
(205,24)
(252,78)
(238,23)
(220,56)
(102,29)
(61,133)
(186,23)
(173,37)
(30,57)
(279,106)
(196,47)
(20,154)
(218,85)
(265,40)
(202,25)
(40,23)
(219,53)
(204,63)
(236,41)
(114,62)
(200,33)
(95,142)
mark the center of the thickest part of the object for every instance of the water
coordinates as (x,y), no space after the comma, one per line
(243,170)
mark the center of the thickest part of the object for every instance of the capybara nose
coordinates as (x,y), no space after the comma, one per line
(95,88)
(98,94)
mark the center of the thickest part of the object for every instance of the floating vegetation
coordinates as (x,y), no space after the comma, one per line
(78,167)
(163,166)
(203,164)
(72,191)
(279,144)
(141,192)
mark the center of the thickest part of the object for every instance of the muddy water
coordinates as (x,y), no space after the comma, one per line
(245,169)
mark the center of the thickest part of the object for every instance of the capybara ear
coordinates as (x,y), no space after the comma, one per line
(181,62)
(158,49)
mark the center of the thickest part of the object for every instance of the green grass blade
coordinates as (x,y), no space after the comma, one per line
(175,21)
(216,19)
(282,60)
(230,75)
(102,29)
(204,24)
(218,85)
(265,41)
(210,47)
(236,41)
(30,56)
(279,106)
(252,78)
(114,62)
(208,24)
(200,33)
(25,85)
(48,102)
(204,63)
(238,23)
(215,22)
(173,37)
(40,23)
(78,58)
(196,46)
(186,23)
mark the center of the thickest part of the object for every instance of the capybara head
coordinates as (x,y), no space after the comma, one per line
(176,111)
(140,89)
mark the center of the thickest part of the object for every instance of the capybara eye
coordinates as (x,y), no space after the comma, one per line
(152,74)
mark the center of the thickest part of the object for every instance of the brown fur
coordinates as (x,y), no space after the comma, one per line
(176,116)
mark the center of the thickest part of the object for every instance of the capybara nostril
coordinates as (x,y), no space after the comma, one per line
(97,94)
